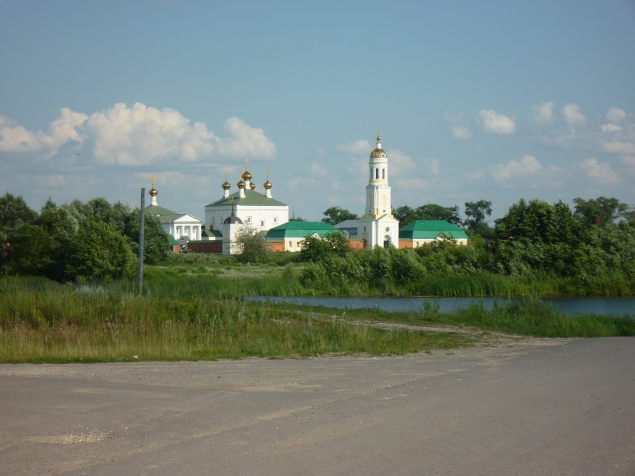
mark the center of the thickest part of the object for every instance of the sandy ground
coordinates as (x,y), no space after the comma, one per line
(509,406)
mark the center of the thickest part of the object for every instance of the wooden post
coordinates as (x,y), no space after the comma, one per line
(142,219)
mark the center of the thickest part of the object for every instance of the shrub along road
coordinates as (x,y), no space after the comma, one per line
(531,407)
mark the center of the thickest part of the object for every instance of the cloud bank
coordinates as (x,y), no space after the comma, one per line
(137,135)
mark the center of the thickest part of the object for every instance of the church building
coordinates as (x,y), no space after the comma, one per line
(377,227)
(178,225)
(225,217)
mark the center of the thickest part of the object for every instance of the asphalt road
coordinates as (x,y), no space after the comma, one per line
(530,409)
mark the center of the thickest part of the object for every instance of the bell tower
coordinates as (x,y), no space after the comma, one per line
(378,227)
(378,192)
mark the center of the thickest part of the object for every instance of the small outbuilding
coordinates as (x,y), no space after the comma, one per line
(289,236)
(420,232)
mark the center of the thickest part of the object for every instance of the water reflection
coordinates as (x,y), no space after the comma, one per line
(569,306)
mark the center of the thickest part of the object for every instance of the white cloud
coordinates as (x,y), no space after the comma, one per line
(461,132)
(356,148)
(496,123)
(610,127)
(136,136)
(528,165)
(543,113)
(615,114)
(572,114)
(600,172)
(616,147)
(630,164)
(400,164)
(17,139)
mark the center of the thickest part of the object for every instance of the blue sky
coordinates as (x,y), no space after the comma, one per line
(475,100)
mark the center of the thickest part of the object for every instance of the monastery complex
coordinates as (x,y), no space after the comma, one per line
(246,207)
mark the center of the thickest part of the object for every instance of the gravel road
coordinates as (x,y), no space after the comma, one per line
(552,407)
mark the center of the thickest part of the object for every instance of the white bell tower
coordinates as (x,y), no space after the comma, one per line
(377,226)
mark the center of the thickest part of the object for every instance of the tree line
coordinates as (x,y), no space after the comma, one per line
(597,211)
(76,241)
(534,241)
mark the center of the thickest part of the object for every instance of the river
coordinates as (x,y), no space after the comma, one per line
(570,306)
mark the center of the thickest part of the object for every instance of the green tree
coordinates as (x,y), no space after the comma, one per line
(476,213)
(13,212)
(317,248)
(156,244)
(98,252)
(430,211)
(33,252)
(335,215)
(608,209)
(475,221)
(61,227)
(252,244)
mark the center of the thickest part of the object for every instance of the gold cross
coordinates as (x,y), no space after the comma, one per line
(226,174)
(153,178)
(267,174)
(246,164)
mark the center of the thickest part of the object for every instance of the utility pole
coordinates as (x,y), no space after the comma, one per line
(142,220)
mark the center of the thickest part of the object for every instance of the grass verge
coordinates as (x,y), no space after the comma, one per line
(41,321)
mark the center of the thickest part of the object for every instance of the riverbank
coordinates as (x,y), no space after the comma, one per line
(187,319)
(287,277)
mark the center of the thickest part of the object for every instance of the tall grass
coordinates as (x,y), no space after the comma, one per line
(530,316)
(41,321)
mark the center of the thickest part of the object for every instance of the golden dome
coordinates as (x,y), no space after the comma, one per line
(226,185)
(247,175)
(267,185)
(252,185)
(153,192)
(378,154)
(241,184)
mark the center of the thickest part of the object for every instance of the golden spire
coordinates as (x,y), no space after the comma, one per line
(153,191)
(267,184)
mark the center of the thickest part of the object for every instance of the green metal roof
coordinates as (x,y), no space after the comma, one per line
(216,233)
(157,210)
(430,230)
(251,199)
(300,229)
(173,242)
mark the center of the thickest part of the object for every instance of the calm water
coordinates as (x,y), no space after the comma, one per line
(570,306)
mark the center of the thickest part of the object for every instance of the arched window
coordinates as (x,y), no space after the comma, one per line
(371,173)
(377,173)
(383,173)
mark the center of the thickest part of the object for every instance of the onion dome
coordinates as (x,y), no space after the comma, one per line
(267,185)
(226,185)
(241,184)
(247,175)
(153,192)
(233,220)
(378,153)
(252,185)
